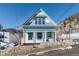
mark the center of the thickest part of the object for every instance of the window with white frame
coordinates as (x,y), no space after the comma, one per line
(40,20)
(39,35)
(49,35)
(30,35)
(2,37)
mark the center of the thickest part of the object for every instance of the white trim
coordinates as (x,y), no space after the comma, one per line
(34,37)
(55,37)
(40,31)
(53,22)
(48,17)
(45,36)
(23,36)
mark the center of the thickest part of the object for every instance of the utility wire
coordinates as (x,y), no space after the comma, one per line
(65,11)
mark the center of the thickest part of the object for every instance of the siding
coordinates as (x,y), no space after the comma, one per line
(14,38)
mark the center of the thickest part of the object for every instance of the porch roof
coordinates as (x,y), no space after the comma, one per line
(39,27)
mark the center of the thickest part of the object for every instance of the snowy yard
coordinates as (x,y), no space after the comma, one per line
(67,52)
(22,50)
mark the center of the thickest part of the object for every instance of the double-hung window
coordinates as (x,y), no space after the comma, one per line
(43,20)
(39,35)
(30,35)
(40,20)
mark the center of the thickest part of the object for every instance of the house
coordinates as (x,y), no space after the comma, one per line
(8,36)
(39,28)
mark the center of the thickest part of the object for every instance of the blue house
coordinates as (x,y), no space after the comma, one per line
(39,28)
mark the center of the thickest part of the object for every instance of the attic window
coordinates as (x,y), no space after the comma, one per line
(40,20)
(43,20)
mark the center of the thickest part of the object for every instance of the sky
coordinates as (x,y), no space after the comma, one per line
(15,14)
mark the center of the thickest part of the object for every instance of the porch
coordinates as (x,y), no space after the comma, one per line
(39,37)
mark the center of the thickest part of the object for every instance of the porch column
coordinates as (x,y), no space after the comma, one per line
(23,39)
(34,38)
(45,36)
(55,37)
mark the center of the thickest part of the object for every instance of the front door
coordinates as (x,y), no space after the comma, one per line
(39,37)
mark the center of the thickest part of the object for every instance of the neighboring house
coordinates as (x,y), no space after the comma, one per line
(4,36)
(39,28)
(10,36)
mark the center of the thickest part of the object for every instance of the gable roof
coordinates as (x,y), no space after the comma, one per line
(40,14)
